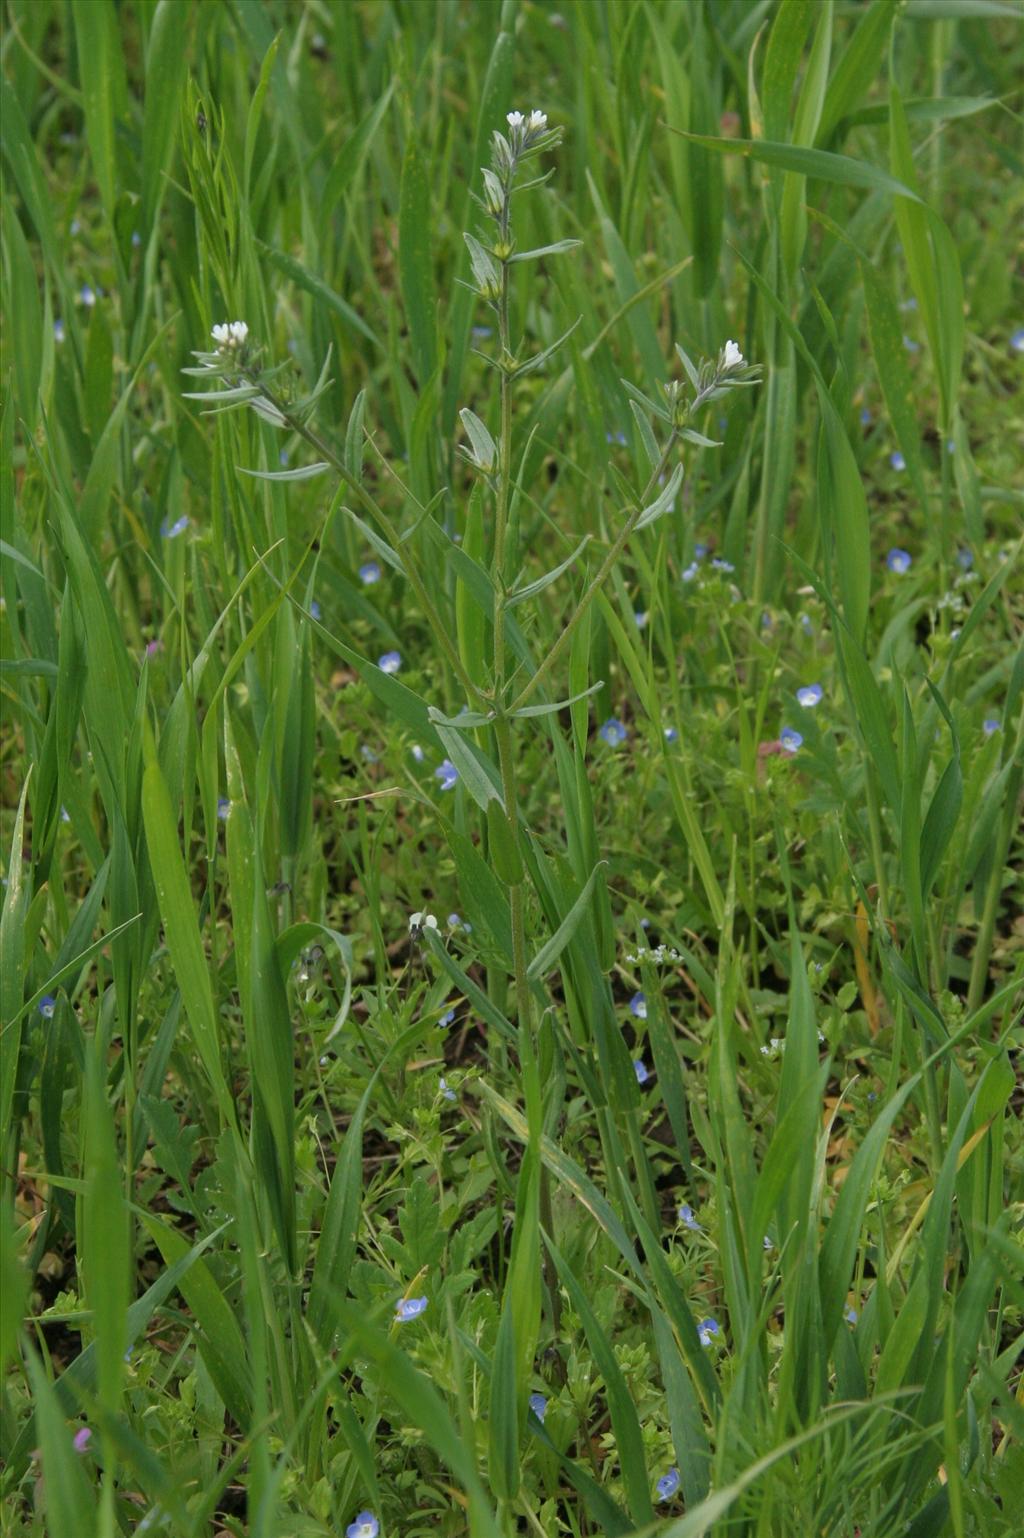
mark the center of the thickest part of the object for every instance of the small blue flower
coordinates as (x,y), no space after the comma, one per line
(897,461)
(449,1094)
(667,1485)
(720,565)
(76,227)
(965,558)
(641,617)
(87,296)
(447,1018)
(616,437)
(638,1006)
(809,696)
(691,571)
(950,446)
(707,1330)
(899,561)
(671,735)
(865,417)
(613,732)
(700,551)
(223,808)
(58,330)
(172,530)
(47,1005)
(990,724)
(806,624)
(688,1219)
(850,1315)
(1017,339)
(908,306)
(364,1526)
(790,739)
(481,333)
(136,239)
(65,815)
(369,573)
(390,662)
(641,1070)
(539,1405)
(911,345)
(282,457)
(417,753)
(314,608)
(367,753)
(447,774)
(410,1308)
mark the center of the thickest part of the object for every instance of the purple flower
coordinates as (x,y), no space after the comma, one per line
(539,1405)
(82,1438)
(364,1526)
(990,725)
(389,662)
(641,1070)
(897,461)
(667,1485)
(456,921)
(899,561)
(172,530)
(790,739)
(613,732)
(152,647)
(409,1308)
(707,1329)
(809,696)
(689,1220)
(700,551)
(447,774)
(369,573)
(638,1006)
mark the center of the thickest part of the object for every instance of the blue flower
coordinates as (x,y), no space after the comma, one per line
(707,1329)
(482,333)
(47,1005)
(767,1243)
(671,735)
(691,571)
(390,662)
(364,1526)
(282,457)
(417,753)
(667,1485)
(449,1094)
(172,530)
(897,461)
(806,625)
(87,296)
(865,417)
(58,330)
(1017,339)
(539,1405)
(613,732)
(990,724)
(616,437)
(223,808)
(447,773)
(689,1220)
(850,1315)
(965,558)
(809,696)
(314,608)
(720,565)
(700,551)
(447,1018)
(908,305)
(641,617)
(911,345)
(65,815)
(899,561)
(369,573)
(640,1069)
(409,1308)
(638,1006)
(790,739)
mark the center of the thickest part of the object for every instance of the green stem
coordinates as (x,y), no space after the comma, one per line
(604,571)
(441,632)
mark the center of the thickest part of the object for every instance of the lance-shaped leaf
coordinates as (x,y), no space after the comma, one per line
(485,450)
(663,501)
(485,268)
(549,352)
(302,473)
(519,595)
(554,250)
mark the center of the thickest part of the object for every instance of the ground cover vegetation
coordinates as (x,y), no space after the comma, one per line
(512,723)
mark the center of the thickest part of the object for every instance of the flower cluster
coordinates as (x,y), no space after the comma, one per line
(231,337)
(660,953)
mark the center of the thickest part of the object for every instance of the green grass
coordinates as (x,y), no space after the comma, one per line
(759,1231)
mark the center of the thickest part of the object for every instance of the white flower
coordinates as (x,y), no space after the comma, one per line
(514,119)
(537,122)
(231,335)
(418,921)
(731,356)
